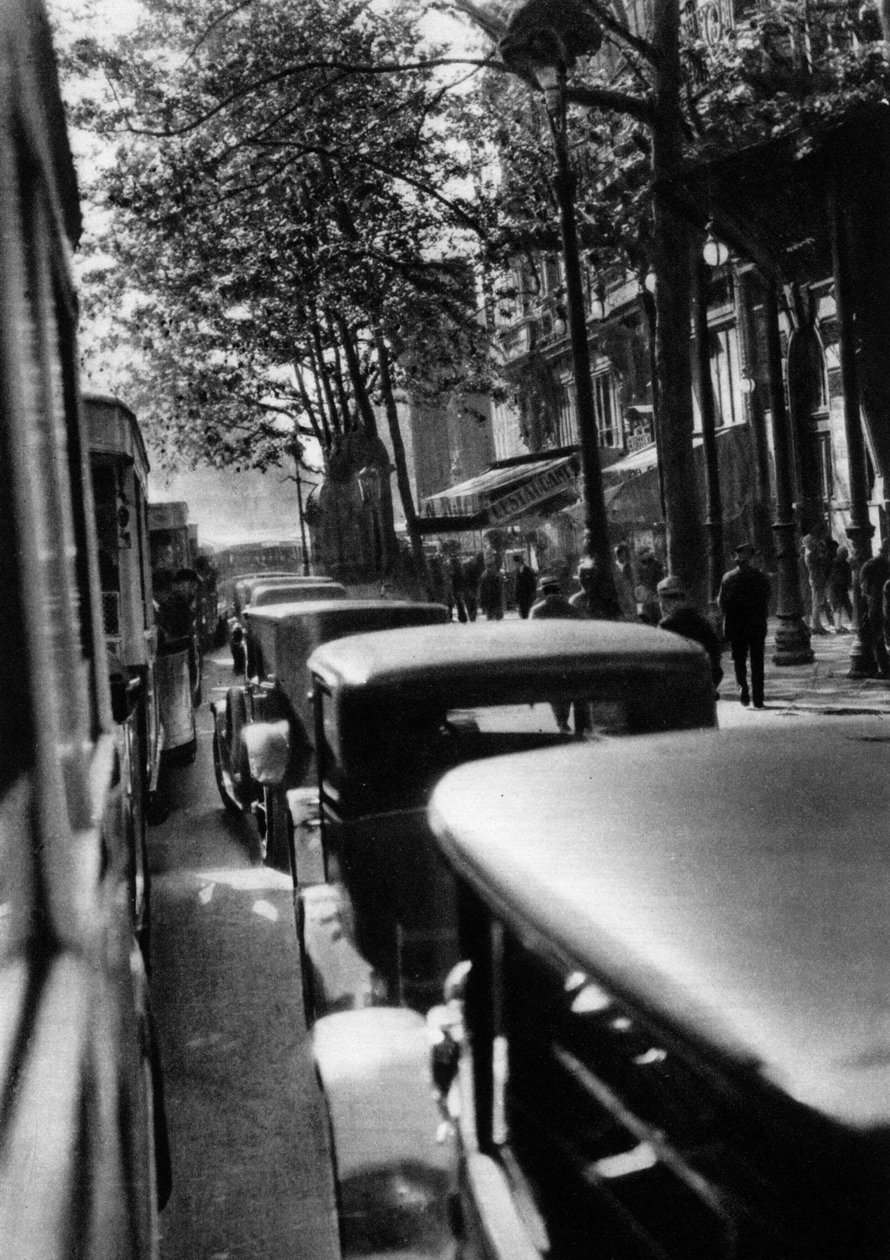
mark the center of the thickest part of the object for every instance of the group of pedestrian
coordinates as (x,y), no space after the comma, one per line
(472,585)
(829,577)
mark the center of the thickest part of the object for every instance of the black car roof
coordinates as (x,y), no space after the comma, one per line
(346,608)
(734,883)
(432,654)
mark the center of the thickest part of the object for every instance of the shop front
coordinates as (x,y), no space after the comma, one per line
(510,508)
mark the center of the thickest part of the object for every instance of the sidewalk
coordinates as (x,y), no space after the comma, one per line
(820,687)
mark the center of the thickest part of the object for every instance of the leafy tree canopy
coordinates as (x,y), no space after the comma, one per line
(289,179)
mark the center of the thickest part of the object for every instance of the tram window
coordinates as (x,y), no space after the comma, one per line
(105,494)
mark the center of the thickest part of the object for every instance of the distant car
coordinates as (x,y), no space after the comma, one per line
(264,735)
(279,592)
(394,712)
(236,591)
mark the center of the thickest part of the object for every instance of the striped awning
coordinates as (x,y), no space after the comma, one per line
(506,493)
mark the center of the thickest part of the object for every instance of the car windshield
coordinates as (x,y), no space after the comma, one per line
(391,756)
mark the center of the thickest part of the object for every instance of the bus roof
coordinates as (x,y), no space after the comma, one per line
(431,654)
(172,515)
(733,884)
(112,429)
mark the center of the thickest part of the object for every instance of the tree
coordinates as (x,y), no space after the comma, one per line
(282,223)
(677,98)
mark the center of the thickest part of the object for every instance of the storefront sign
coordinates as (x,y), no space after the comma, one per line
(533,491)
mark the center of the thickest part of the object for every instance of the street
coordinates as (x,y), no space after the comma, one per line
(250,1163)
(249,1148)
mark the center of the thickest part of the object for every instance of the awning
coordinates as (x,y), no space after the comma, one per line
(501,494)
(636,462)
(631,488)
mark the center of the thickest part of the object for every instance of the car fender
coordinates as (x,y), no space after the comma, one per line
(395,1154)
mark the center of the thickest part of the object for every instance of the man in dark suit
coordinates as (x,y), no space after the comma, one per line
(744,601)
(526,584)
(678,616)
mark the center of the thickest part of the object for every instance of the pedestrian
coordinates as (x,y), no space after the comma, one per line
(814,550)
(455,592)
(238,647)
(624,582)
(872,577)
(553,604)
(438,580)
(491,591)
(595,600)
(744,602)
(472,575)
(840,579)
(526,585)
(649,574)
(678,616)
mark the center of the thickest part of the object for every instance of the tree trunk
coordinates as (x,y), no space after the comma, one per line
(369,424)
(685,537)
(398,450)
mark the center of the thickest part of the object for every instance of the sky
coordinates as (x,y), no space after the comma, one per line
(120,16)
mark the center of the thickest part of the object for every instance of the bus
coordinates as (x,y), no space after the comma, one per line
(119,467)
(82,1161)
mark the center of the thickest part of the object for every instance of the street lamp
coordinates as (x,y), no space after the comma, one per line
(369,485)
(303,539)
(545,53)
(370,481)
(714,251)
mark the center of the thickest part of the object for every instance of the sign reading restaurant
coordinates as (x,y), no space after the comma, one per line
(533,491)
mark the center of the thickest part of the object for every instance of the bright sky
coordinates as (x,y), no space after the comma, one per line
(120,15)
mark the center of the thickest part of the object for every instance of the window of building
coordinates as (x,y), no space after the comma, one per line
(566,414)
(608,425)
(823,464)
(725,374)
(551,274)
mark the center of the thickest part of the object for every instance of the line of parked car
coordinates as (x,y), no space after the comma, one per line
(570,994)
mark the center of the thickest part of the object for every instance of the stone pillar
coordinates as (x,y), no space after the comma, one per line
(714,518)
(860,529)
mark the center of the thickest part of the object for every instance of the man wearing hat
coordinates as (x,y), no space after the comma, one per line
(678,616)
(744,601)
(554,604)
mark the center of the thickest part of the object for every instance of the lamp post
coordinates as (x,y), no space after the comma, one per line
(305,545)
(369,483)
(549,64)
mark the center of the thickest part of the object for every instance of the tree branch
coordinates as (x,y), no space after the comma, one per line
(617,102)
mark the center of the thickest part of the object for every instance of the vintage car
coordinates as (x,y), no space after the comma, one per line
(394,712)
(673,1019)
(263,732)
(243,587)
(278,592)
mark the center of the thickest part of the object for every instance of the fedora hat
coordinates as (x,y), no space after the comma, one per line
(744,549)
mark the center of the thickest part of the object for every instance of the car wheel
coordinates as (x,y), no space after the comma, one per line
(223,781)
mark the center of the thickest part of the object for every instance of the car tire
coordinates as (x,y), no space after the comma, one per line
(229,804)
(239,767)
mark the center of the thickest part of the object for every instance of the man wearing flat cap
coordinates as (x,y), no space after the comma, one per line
(744,601)
(678,616)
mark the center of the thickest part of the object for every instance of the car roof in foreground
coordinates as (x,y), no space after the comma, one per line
(735,883)
(429,653)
